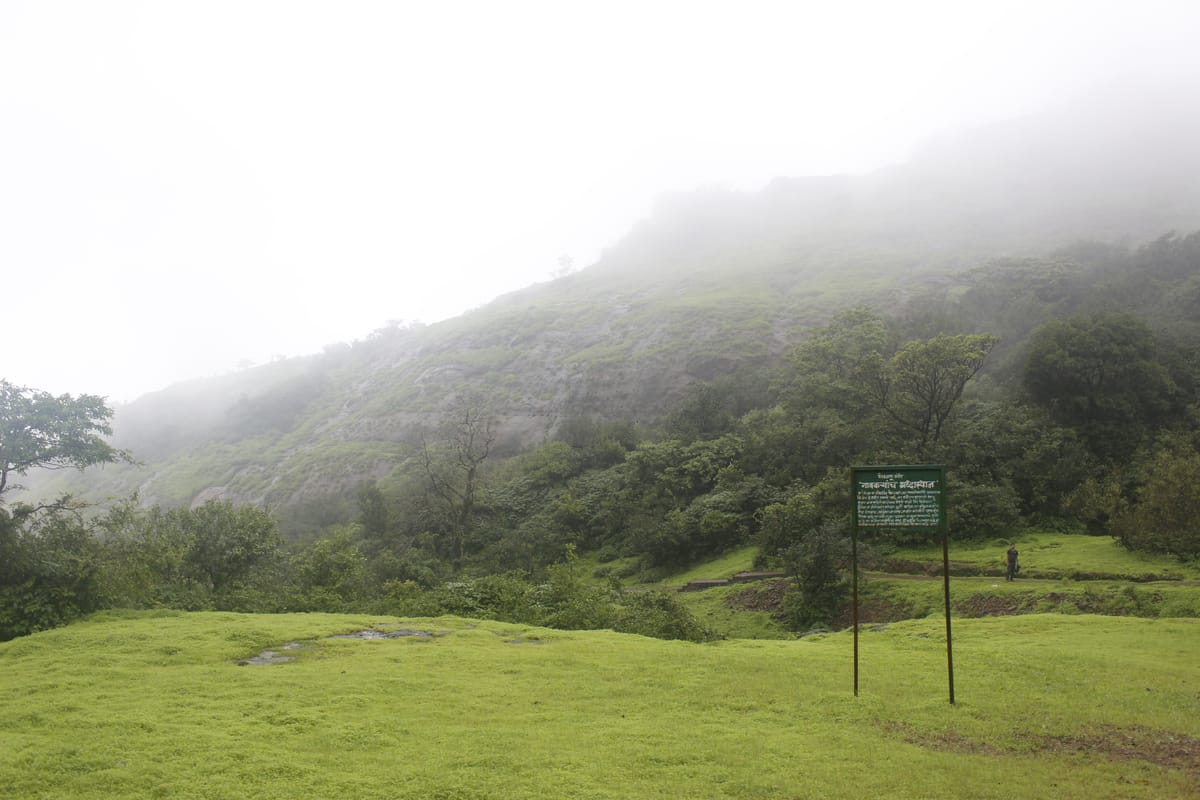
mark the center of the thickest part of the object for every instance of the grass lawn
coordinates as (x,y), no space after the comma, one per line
(155,705)
(1057,555)
(739,559)
(713,609)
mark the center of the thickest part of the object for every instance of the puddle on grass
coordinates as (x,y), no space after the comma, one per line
(373,634)
(275,656)
(268,657)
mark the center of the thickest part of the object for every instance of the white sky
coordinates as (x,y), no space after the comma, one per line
(190,186)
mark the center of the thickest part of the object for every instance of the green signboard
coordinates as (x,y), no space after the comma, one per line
(899,497)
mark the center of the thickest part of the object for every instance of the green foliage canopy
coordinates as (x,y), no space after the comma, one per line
(1166,518)
(1099,374)
(925,379)
(39,430)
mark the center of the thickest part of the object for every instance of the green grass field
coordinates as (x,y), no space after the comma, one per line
(155,705)
(1052,701)
(740,559)
(1056,555)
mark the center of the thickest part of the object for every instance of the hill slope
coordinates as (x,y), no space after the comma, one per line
(714,284)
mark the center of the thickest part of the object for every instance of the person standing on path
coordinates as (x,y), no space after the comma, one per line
(1012,563)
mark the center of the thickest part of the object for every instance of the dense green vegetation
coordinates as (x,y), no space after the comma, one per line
(1047,705)
(1047,406)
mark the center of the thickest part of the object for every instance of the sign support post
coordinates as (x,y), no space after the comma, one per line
(946,587)
(904,497)
(854,598)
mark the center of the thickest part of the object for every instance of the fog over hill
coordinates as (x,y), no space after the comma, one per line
(1118,166)
(714,284)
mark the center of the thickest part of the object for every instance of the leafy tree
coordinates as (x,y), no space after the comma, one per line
(706,412)
(48,559)
(1098,501)
(784,524)
(225,542)
(600,444)
(142,559)
(1099,374)
(569,602)
(818,562)
(982,510)
(39,430)
(854,397)
(374,516)
(599,506)
(775,446)
(924,380)
(1169,256)
(331,574)
(551,464)
(1018,446)
(1166,518)
(1016,289)
(839,364)
(48,572)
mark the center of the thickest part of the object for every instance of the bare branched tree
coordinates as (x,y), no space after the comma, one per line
(452,466)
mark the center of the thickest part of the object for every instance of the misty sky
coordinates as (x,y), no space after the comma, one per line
(190,186)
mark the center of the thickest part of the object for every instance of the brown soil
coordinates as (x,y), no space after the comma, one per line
(763,596)
(987,605)
(1135,743)
(874,611)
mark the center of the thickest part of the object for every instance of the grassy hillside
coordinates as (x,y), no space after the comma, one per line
(157,706)
(1062,573)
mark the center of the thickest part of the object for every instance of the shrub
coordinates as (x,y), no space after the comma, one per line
(659,615)
(818,562)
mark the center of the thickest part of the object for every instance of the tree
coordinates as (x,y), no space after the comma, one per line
(925,379)
(374,517)
(1099,374)
(48,559)
(331,574)
(836,366)
(142,559)
(818,561)
(853,392)
(1166,518)
(226,542)
(453,465)
(706,413)
(784,524)
(39,430)
(1017,444)
(48,572)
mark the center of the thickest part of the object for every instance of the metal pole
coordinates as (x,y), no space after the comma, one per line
(854,601)
(946,582)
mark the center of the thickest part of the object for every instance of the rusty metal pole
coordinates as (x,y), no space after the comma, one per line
(854,600)
(854,570)
(946,584)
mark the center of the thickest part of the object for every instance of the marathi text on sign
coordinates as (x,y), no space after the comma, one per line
(902,499)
